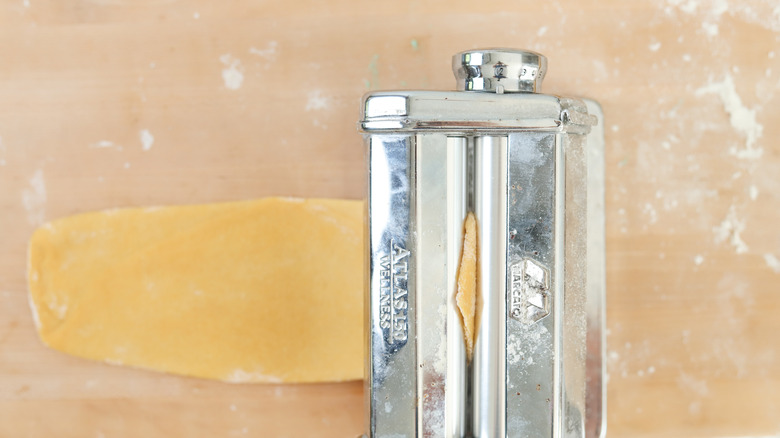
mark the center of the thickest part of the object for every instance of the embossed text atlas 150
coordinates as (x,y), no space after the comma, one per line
(530,168)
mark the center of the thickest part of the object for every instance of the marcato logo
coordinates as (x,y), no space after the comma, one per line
(394,294)
(529,298)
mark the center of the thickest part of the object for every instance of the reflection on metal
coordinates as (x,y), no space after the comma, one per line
(530,167)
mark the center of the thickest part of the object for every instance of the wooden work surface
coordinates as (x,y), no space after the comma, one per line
(109,104)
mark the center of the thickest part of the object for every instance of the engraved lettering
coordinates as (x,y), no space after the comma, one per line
(529,296)
(385,309)
(394,294)
(499,70)
(400,329)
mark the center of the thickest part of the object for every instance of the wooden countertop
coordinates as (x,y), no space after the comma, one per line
(109,104)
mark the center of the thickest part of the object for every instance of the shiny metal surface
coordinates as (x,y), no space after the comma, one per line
(386,106)
(530,166)
(573,325)
(454,112)
(595,307)
(530,346)
(499,70)
(488,364)
(391,298)
(440,209)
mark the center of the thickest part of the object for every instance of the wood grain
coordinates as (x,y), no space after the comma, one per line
(693,234)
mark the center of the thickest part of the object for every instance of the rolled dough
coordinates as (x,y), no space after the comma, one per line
(259,291)
(466,297)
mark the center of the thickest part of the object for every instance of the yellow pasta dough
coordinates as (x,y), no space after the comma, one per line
(258,291)
(466,297)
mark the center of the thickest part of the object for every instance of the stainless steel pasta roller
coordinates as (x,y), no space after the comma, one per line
(530,167)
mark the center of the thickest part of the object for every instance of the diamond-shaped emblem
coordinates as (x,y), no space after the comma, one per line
(529,298)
